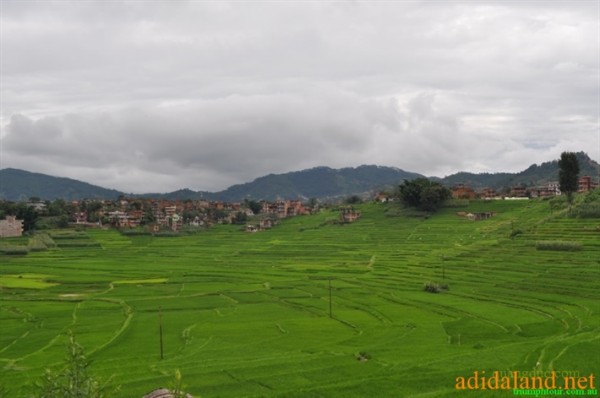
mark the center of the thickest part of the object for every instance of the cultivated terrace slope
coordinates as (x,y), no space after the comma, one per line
(249,315)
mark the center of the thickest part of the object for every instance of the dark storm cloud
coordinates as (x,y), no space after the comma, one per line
(154,96)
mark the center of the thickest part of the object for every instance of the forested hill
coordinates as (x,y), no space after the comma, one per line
(318,182)
(533,175)
(20,185)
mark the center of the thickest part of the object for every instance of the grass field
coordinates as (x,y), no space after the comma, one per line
(248,314)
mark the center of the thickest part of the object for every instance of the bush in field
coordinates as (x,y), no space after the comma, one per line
(558,245)
(73,380)
(134,232)
(40,242)
(587,205)
(177,387)
(167,234)
(586,210)
(45,239)
(14,250)
(515,232)
(433,287)
(455,203)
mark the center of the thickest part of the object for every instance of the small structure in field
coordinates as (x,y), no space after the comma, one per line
(477,216)
(348,214)
(164,393)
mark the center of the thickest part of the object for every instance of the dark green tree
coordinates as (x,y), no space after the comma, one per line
(353,200)
(423,194)
(433,196)
(94,210)
(568,174)
(28,215)
(240,217)
(253,205)
(58,208)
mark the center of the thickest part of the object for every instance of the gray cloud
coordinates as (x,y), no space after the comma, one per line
(155,96)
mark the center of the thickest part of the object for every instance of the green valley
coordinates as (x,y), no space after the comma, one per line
(248,314)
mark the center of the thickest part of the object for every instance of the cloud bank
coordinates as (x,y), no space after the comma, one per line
(156,96)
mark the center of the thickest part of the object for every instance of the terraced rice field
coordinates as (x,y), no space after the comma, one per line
(247,315)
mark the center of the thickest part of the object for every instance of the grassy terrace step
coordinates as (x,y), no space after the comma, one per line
(248,314)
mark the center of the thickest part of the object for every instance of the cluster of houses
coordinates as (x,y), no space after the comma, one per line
(462,191)
(173,215)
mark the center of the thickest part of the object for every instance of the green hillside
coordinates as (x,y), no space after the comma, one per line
(247,315)
(20,185)
(534,175)
(317,182)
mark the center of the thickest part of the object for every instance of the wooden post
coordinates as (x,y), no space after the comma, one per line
(443,273)
(330,311)
(160,331)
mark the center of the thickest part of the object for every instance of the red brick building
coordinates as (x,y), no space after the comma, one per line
(586,184)
(462,191)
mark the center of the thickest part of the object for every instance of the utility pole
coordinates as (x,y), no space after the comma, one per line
(160,331)
(443,273)
(330,312)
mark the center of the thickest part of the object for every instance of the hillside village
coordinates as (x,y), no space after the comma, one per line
(462,191)
(172,216)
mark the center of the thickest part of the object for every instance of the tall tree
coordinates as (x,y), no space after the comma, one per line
(424,194)
(568,174)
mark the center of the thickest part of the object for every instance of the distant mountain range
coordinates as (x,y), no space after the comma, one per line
(532,176)
(19,185)
(318,182)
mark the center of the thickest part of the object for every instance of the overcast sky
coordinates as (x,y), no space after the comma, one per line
(147,96)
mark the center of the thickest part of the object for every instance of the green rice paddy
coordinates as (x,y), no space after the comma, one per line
(248,315)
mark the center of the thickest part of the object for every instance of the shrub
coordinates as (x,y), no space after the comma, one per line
(177,387)
(515,232)
(46,240)
(455,203)
(40,242)
(558,245)
(73,380)
(134,232)
(81,243)
(167,234)
(433,287)
(14,250)
(586,210)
